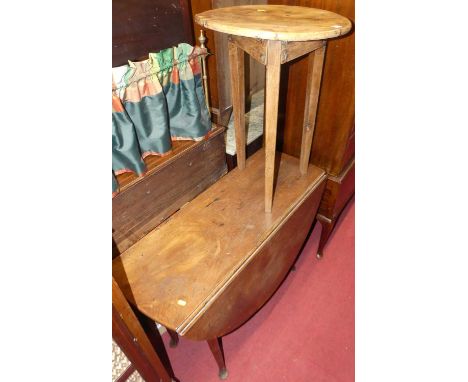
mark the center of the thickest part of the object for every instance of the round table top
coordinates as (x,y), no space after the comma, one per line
(275,22)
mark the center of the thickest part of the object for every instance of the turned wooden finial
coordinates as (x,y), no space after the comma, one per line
(202,40)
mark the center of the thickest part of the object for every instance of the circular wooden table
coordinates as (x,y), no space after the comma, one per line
(274,35)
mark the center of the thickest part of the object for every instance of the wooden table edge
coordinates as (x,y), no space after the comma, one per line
(185,326)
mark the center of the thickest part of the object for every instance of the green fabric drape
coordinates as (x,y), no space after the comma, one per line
(182,86)
(154,102)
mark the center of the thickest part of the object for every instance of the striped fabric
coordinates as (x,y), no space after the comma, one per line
(154,102)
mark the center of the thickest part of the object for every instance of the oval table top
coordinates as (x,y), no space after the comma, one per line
(275,22)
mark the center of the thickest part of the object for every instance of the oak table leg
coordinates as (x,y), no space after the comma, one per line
(236,62)
(273,69)
(216,347)
(314,78)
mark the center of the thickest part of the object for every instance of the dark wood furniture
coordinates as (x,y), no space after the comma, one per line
(130,335)
(333,143)
(140,27)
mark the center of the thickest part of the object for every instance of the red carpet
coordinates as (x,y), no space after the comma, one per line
(304,333)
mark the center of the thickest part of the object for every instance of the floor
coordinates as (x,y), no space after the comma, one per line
(304,333)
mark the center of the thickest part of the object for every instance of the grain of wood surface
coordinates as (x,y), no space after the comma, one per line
(275,22)
(175,272)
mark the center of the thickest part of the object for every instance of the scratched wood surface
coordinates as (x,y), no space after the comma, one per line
(175,271)
(275,22)
(259,277)
(170,182)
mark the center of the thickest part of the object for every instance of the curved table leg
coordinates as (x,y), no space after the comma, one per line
(216,347)
(327,228)
(174,338)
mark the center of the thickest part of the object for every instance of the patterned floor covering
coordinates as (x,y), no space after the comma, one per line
(120,363)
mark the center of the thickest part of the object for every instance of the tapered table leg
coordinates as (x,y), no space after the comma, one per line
(314,78)
(273,69)
(236,62)
(216,347)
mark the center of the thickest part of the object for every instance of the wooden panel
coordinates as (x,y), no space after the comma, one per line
(259,278)
(335,116)
(349,150)
(143,26)
(151,199)
(152,162)
(174,272)
(337,192)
